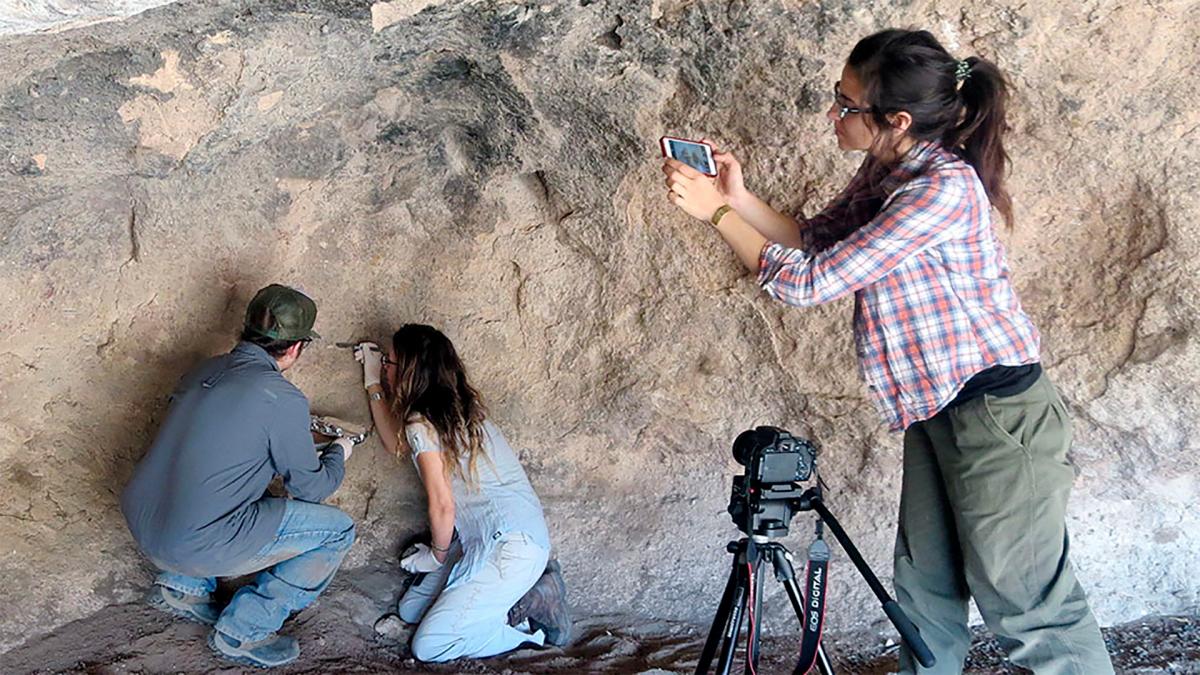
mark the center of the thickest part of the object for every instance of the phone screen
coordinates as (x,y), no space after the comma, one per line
(694,155)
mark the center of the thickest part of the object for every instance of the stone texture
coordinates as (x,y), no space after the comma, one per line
(384,14)
(491,168)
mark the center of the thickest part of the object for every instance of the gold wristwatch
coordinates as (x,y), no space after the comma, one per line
(719,214)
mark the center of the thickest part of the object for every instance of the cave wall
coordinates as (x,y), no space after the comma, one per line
(491,168)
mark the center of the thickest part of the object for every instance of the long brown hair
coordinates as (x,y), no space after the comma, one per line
(430,382)
(958,104)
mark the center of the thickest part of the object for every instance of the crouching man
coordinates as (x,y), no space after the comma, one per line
(197,505)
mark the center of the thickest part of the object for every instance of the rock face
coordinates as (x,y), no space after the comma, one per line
(492,168)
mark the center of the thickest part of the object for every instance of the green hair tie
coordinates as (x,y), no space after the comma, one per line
(962,70)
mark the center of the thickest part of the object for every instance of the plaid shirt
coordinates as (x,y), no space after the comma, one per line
(933,301)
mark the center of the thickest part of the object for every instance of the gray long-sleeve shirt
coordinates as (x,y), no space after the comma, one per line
(195,502)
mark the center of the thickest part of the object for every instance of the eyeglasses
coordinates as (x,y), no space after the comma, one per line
(388,362)
(839,100)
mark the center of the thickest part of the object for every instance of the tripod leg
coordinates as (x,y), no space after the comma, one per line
(908,630)
(755,627)
(720,620)
(824,665)
(793,593)
(734,629)
(786,574)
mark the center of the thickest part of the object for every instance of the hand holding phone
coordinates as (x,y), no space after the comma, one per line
(729,176)
(696,154)
(689,171)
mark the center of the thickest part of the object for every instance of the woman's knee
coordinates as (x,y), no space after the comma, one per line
(435,646)
(409,612)
(413,604)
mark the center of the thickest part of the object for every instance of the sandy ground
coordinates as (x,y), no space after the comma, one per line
(337,637)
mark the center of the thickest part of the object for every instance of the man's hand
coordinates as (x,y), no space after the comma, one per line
(691,190)
(347,447)
(421,560)
(368,354)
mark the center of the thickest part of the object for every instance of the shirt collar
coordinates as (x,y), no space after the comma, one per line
(255,353)
(914,163)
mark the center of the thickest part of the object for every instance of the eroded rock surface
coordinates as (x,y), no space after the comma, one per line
(491,168)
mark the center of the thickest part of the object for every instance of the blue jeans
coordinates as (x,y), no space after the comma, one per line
(292,569)
(470,619)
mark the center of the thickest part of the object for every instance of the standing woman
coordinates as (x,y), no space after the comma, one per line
(946,351)
(485,571)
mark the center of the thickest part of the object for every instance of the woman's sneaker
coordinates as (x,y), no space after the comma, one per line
(273,650)
(545,607)
(199,608)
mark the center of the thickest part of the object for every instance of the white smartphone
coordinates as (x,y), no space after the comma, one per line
(695,154)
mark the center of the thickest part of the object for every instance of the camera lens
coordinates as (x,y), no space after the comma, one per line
(745,445)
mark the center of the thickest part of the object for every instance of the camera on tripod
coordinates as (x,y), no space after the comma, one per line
(767,495)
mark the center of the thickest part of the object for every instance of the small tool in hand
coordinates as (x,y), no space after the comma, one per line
(336,428)
(352,345)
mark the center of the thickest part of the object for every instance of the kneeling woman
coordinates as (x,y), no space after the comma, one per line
(494,572)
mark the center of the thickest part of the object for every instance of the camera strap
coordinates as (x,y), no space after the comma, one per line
(814,601)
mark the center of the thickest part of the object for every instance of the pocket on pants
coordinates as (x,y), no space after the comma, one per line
(518,557)
(1022,417)
(998,423)
(1037,422)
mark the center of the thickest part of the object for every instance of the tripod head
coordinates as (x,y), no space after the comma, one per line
(767,511)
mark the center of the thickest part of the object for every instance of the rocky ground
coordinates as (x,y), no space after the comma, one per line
(337,636)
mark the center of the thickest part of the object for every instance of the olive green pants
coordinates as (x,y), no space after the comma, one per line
(983,514)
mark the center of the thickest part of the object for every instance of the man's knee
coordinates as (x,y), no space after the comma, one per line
(338,525)
(345,538)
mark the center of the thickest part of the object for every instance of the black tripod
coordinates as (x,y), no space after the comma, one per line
(727,624)
(749,553)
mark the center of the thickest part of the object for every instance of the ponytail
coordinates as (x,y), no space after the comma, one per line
(980,134)
(960,104)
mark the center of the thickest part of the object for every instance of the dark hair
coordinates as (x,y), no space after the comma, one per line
(431,382)
(263,320)
(909,70)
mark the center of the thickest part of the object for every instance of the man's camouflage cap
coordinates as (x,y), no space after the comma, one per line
(292,314)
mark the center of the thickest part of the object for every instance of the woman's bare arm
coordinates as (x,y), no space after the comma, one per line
(441,501)
(385,422)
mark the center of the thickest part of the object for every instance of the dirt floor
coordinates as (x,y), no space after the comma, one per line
(337,637)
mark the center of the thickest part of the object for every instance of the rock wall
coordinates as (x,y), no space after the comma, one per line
(491,168)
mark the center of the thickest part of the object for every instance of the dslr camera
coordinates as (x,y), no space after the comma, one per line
(768,493)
